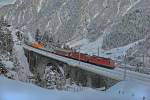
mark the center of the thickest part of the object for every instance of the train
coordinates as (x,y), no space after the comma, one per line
(72,54)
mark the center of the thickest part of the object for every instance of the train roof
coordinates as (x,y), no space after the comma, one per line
(65,50)
(100,57)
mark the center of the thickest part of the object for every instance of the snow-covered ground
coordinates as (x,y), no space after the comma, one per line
(8,64)
(15,90)
(136,89)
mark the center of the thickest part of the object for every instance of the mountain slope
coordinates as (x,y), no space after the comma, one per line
(69,19)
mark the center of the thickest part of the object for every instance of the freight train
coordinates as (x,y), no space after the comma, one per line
(95,60)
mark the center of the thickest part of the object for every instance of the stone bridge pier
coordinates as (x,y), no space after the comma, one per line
(38,62)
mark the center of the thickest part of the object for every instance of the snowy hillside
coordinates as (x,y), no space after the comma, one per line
(14,90)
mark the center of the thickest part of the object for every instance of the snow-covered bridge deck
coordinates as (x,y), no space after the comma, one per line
(116,73)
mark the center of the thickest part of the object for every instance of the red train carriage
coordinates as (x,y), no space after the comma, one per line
(62,53)
(105,62)
(79,56)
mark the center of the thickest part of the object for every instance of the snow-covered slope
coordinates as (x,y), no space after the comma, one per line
(14,90)
(136,89)
(23,70)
